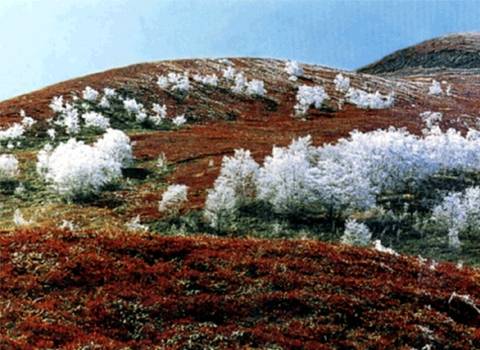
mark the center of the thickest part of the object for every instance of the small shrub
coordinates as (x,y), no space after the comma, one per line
(8,167)
(173,199)
(96,120)
(458,213)
(308,96)
(76,170)
(293,69)
(342,84)
(365,100)
(255,88)
(435,89)
(356,233)
(234,188)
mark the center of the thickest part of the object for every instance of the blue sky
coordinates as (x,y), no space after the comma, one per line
(46,41)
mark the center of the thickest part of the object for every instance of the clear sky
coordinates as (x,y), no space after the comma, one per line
(46,41)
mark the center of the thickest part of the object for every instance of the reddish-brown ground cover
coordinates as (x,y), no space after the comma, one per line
(66,290)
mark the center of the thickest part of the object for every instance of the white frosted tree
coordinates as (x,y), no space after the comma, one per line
(458,213)
(234,188)
(284,181)
(356,233)
(173,199)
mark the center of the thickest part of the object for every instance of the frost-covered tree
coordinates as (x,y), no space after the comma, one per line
(431,119)
(229,73)
(255,87)
(76,170)
(109,92)
(174,82)
(356,233)
(160,114)
(179,120)
(104,102)
(209,80)
(458,213)
(135,108)
(234,188)
(308,96)
(435,89)
(27,122)
(366,100)
(284,180)
(293,69)
(96,120)
(173,199)
(221,205)
(14,132)
(8,167)
(115,145)
(68,118)
(90,94)
(342,83)
(56,105)
(240,83)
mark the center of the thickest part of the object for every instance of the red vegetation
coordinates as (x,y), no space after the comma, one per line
(66,290)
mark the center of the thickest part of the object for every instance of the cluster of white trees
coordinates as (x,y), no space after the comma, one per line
(308,96)
(174,82)
(367,100)
(68,115)
(8,167)
(458,213)
(209,80)
(13,134)
(349,176)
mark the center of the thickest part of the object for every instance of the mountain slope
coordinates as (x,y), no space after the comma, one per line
(94,284)
(226,121)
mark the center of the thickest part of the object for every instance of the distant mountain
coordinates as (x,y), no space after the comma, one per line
(459,51)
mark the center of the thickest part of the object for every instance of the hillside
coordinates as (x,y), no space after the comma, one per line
(454,51)
(225,121)
(103,266)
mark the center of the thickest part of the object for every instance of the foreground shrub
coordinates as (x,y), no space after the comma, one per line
(356,233)
(115,144)
(8,167)
(458,213)
(75,170)
(234,188)
(284,181)
(173,199)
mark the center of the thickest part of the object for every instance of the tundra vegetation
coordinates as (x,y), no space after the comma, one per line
(98,223)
